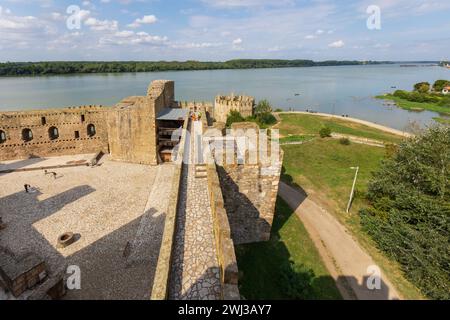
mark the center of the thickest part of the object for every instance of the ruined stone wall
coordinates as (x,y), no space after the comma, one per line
(250,190)
(132,124)
(223,105)
(53,132)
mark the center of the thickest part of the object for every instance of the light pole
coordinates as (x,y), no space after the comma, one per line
(353,189)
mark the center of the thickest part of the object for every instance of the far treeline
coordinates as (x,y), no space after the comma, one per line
(70,67)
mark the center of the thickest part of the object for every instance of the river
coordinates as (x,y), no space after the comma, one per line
(338,90)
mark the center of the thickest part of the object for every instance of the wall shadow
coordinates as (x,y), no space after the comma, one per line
(8,168)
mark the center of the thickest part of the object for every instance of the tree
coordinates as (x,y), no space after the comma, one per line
(409,215)
(263,107)
(422,87)
(440,84)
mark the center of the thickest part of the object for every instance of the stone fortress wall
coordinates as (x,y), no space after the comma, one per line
(132,124)
(53,132)
(223,105)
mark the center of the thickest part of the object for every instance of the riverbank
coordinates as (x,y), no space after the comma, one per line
(355,120)
(415,106)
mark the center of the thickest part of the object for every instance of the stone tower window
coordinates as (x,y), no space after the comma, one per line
(91,130)
(2,136)
(83,118)
(27,135)
(77,134)
(53,133)
(43,121)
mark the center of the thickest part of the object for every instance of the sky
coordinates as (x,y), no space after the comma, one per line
(219,30)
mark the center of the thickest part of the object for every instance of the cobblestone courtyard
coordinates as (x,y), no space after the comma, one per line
(115,212)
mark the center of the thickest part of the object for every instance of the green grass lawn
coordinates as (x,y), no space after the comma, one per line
(298,124)
(261,265)
(415,106)
(296,138)
(324,164)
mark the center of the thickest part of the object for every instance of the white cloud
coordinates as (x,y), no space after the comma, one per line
(149,19)
(248,3)
(101,25)
(310,37)
(337,44)
(237,42)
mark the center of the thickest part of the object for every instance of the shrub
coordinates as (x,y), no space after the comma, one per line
(266,118)
(325,132)
(234,116)
(344,141)
(279,110)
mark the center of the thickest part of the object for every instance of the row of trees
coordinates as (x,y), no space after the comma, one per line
(66,67)
(409,216)
(425,87)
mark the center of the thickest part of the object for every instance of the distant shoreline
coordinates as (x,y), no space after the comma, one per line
(18,69)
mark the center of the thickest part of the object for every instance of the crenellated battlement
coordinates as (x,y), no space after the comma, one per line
(223,105)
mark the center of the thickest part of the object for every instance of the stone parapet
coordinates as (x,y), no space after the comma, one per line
(160,289)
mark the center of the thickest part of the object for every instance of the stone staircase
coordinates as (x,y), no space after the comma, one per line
(200,171)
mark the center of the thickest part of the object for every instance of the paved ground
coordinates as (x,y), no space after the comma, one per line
(195,272)
(347,262)
(107,207)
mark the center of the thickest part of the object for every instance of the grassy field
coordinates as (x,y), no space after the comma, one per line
(300,124)
(322,168)
(324,164)
(261,264)
(415,106)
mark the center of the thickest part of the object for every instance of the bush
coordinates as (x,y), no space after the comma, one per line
(234,116)
(266,118)
(409,217)
(279,110)
(325,132)
(344,141)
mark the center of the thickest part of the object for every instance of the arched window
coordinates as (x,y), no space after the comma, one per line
(2,136)
(53,133)
(27,135)
(91,130)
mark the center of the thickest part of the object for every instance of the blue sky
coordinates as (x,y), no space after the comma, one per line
(217,30)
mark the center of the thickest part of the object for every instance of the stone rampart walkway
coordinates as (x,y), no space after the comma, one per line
(194,270)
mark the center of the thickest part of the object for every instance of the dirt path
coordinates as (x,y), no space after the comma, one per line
(347,263)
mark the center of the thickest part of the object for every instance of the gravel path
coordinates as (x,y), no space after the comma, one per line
(195,271)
